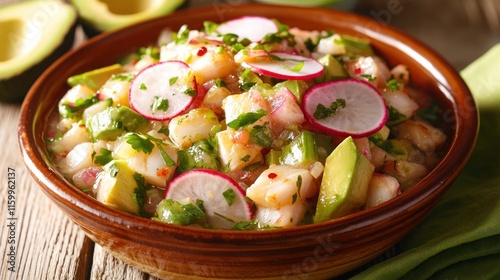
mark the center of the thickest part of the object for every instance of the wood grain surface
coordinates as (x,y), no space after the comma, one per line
(49,246)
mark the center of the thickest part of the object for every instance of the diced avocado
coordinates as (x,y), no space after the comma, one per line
(334,70)
(33,34)
(117,187)
(248,79)
(345,182)
(273,157)
(301,151)
(113,122)
(177,213)
(99,16)
(96,108)
(95,78)
(297,87)
(200,155)
(357,46)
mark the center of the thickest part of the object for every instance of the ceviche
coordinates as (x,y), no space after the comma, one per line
(246,124)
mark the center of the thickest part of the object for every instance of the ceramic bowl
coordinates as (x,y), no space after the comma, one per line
(313,251)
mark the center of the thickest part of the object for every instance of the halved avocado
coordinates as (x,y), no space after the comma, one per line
(33,35)
(99,16)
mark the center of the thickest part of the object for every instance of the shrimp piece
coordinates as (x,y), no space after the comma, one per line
(282,185)
(426,137)
(214,97)
(117,89)
(80,157)
(401,74)
(400,101)
(196,125)
(331,45)
(234,150)
(251,101)
(407,173)
(74,136)
(287,216)
(215,63)
(382,188)
(153,167)
(372,67)
(78,92)
(285,112)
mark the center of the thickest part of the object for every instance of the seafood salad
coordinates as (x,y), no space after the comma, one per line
(246,124)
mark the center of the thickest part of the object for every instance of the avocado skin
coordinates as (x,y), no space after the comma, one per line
(15,89)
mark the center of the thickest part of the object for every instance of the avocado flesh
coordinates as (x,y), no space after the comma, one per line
(117,186)
(95,78)
(345,182)
(105,15)
(113,122)
(34,34)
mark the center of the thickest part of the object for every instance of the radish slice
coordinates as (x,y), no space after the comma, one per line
(287,67)
(364,113)
(253,28)
(163,90)
(223,199)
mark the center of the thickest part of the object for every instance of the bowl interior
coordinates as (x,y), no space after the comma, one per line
(430,73)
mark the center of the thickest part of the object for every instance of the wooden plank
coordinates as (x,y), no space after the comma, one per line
(47,244)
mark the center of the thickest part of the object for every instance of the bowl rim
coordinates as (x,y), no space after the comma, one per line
(458,151)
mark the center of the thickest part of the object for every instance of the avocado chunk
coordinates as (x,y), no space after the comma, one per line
(33,35)
(113,122)
(94,79)
(301,151)
(118,187)
(344,185)
(334,70)
(99,16)
(174,212)
(297,87)
(200,155)
(357,46)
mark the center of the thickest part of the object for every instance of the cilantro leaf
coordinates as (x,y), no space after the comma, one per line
(139,143)
(246,119)
(104,158)
(323,112)
(229,196)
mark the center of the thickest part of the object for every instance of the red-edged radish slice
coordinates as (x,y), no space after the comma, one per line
(253,28)
(163,90)
(364,113)
(222,197)
(287,67)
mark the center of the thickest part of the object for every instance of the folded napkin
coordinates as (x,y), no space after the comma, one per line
(461,237)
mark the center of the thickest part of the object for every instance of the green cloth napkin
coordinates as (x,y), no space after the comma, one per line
(461,237)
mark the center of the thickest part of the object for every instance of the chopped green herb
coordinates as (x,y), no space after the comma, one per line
(143,87)
(172,80)
(139,143)
(368,77)
(139,195)
(299,184)
(393,85)
(190,92)
(246,119)
(246,225)
(164,130)
(296,68)
(219,83)
(230,39)
(105,157)
(261,135)
(252,166)
(323,112)
(229,196)
(182,36)
(430,112)
(245,158)
(294,198)
(70,109)
(123,77)
(159,104)
(395,117)
(151,51)
(209,27)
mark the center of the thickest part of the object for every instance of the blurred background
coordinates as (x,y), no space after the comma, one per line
(460,30)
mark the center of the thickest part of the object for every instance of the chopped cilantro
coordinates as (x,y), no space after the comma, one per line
(430,112)
(323,112)
(113,170)
(261,135)
(246,119)
(127,77)
(172,80)
(295,68)
(105,157)
(219,83)
(182,36)
(70,109)
(151,51)
(139,195)
(245,158)
(229,196)
(294,198)
(143,87)
(299,184)
(159,104)
(393,85)
(190,92)
(164,130)
(368,77)
(209,27)
(395,117)
(139,143)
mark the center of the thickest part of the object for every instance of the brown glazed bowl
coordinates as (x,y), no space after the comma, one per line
(315,251)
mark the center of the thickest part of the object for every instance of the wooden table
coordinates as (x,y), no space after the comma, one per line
(50,246)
